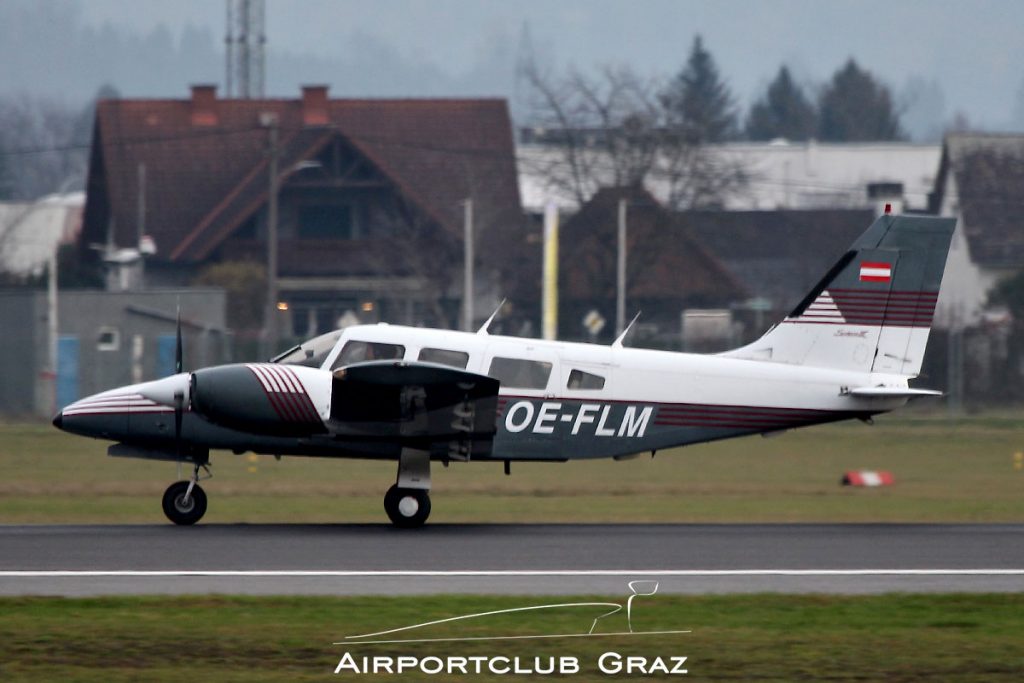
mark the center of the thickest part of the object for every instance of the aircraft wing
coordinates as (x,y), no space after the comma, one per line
(891,392)
(448,411)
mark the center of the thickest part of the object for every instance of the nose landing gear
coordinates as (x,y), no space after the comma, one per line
(184,502)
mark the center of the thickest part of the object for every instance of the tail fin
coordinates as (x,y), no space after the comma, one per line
(873,309)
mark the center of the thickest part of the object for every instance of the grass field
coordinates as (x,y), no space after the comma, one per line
(765,638)
(946,470)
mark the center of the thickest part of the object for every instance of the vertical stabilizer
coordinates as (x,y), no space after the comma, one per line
(873,310)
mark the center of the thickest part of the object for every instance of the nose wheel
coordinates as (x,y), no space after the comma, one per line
(407,508)
(184,502)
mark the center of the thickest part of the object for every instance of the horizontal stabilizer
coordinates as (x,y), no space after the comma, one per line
(891,392)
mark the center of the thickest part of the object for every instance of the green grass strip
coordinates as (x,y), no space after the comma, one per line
(949,637)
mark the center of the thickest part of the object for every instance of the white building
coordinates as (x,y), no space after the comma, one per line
(782,175)
(980,181)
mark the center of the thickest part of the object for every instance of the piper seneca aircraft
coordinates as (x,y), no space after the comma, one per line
(418,396)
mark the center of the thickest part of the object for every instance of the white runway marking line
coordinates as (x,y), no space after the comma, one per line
(327,573)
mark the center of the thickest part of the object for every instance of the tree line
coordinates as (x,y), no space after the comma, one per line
(617,128)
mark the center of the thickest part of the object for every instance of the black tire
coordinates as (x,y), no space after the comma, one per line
(407,508)
(177,511)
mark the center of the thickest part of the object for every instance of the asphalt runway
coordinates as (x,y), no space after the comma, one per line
(518,559)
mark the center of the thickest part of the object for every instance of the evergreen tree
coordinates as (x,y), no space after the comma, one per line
(5,181)
(855,107)
(783,112)
(698,102)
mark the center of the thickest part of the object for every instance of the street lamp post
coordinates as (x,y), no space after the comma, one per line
(467,273)
(620,271)
(270,331)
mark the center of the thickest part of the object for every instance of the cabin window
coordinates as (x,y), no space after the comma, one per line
(584,380)
(519,373)
(326,222)
(456,359)
(360,351)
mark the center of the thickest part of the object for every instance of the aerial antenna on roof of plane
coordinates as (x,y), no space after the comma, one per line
(487,323)
(617,344)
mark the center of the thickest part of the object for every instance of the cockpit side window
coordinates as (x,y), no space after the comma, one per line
(356,351)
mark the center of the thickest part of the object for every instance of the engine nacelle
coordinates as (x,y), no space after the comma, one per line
(263,398)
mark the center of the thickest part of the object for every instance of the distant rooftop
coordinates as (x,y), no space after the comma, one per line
(783,175)
(31,231)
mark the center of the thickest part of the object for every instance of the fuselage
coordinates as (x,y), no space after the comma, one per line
(557,400)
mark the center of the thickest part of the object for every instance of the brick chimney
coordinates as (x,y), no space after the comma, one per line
(204,105)
(314,105)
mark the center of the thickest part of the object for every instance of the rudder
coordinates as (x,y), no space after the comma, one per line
(873,310)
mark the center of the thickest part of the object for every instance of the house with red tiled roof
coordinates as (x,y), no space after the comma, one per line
(668,270)
(371,196)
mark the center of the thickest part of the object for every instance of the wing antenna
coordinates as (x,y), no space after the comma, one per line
(617,344)
(487,323)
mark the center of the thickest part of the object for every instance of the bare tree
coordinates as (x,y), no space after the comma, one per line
(411,244)
(616,129)
(36,136)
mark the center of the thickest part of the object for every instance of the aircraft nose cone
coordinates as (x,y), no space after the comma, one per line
(58,420)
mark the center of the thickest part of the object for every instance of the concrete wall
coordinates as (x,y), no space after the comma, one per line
(22,350)
(119,340)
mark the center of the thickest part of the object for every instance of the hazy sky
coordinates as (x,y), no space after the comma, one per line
(972,51)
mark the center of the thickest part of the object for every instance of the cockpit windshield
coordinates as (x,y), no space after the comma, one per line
(310,353)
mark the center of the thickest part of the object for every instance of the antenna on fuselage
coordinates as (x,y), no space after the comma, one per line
(617,344)
(487,323)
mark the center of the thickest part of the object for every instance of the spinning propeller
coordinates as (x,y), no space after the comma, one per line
(179,393)
(173,391)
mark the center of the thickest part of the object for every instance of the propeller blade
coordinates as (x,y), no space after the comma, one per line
(179,406)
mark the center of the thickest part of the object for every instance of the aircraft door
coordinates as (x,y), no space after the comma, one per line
(532,421)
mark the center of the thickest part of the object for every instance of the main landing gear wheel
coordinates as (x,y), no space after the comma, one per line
(407,508)
(183,506)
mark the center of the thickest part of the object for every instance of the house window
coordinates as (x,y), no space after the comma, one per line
(359,351)
(584,380)
(326,222)
(247,230)
(108,339)
(519,373)
(456,359)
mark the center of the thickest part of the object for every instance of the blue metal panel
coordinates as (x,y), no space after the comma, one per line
(67,370)
(165,344)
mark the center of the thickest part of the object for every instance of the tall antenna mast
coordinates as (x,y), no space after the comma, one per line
(229,51)
(246,41)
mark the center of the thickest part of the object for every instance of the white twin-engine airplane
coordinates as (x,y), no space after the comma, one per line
(420,395)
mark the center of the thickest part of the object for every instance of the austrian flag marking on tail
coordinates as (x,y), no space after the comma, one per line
(871,271)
